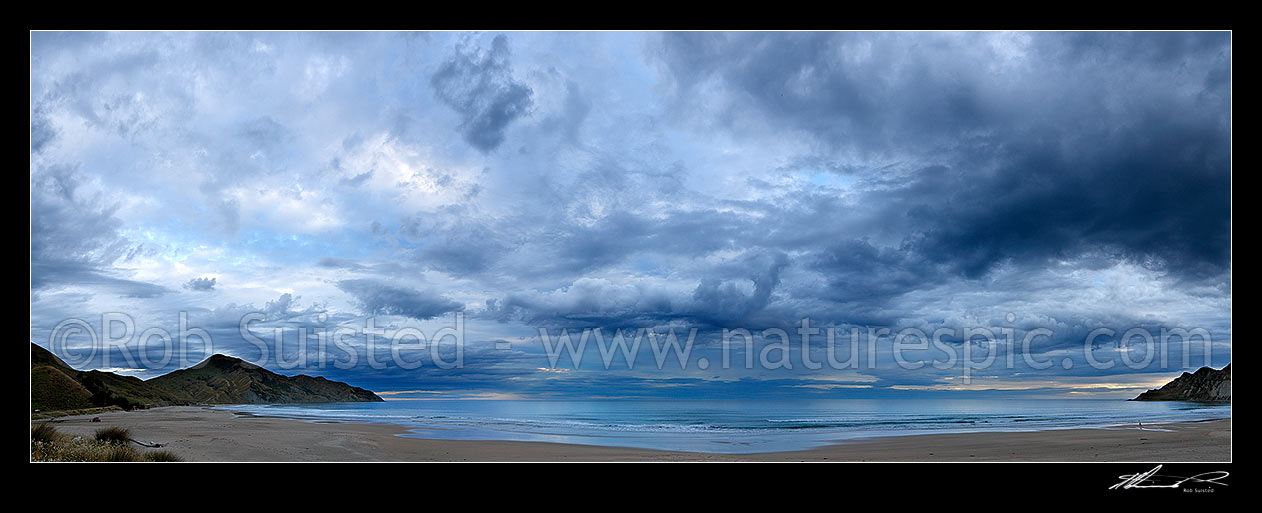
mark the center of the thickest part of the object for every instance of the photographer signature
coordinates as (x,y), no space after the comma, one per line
(1152,479)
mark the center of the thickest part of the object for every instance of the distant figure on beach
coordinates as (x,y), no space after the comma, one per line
(1141,425)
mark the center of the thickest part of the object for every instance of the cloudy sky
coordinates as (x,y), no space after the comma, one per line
(1064,181)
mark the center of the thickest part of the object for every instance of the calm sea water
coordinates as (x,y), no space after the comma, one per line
(733,426)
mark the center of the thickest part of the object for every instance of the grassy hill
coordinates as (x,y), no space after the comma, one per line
(52,389)
(227,380)
(217,380)
(126,392)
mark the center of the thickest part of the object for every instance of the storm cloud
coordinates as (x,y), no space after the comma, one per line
(634,180)
(380,298)
(201,284)
(478,83)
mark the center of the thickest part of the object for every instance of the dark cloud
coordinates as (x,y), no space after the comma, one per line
(743,179)
(860,273)
(376,297)
(722,303)
(1159,195)
(69,225)
(478,83)
(75,239)
(200,284)
(42,132)
(451,242)
(462,251)
(284,310)
(731,296)
(341,263)
(56,273)
(1093,161)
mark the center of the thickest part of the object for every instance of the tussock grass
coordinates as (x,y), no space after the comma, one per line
(162,456)
(43,432)
(47,444)
(114,435)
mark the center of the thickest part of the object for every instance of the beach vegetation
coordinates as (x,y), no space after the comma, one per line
(109,444)
(115,435)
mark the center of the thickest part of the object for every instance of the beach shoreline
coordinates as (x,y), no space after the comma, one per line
(202,433)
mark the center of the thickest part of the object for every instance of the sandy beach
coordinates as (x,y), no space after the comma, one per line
(206,434)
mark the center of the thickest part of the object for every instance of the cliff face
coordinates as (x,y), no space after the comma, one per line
(1205,385)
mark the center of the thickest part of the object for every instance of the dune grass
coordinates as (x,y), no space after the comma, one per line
(43,433)
(162,456)
(114,435)
(109,444)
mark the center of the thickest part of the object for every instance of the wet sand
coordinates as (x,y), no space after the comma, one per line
(205,434)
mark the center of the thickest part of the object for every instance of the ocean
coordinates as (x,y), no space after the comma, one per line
(736,426)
